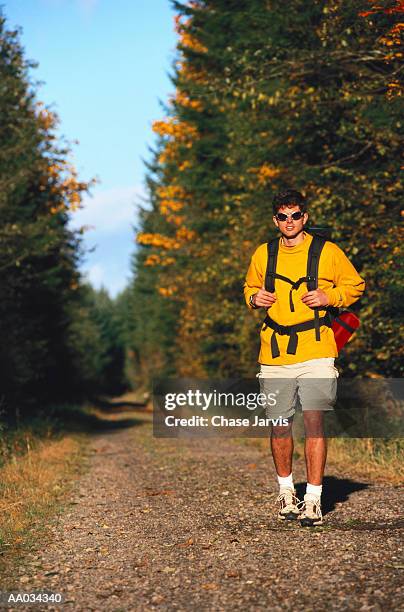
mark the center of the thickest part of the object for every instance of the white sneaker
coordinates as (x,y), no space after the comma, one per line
(288,505)
(310,511)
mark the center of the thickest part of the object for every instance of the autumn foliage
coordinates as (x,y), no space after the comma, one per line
(54,346)
(266,95)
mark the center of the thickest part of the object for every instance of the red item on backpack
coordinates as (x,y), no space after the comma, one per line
(343,326)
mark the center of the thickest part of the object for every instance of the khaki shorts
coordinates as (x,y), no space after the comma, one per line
(312,384)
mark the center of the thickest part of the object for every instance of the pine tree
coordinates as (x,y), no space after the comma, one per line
(270,95)
(38,253)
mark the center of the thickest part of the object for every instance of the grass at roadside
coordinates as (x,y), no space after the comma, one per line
(375,459)
(38,465)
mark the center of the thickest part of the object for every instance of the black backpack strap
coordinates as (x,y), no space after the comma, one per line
(291,331)
(313,261)
(272,248)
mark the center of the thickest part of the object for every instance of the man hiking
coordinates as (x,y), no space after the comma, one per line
(295,278)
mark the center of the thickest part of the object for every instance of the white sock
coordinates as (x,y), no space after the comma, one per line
(286,481)
(315,490)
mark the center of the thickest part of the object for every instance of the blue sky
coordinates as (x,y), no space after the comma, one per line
(104,66)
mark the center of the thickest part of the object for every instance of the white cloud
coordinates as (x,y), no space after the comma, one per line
(106,275)
(95,275)
(110,210)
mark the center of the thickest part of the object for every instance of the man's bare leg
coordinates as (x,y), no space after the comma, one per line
(282,448)
(315,448)
(282,452)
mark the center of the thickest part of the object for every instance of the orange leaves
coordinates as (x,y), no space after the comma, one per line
(182,235)
(185,235)
(46,118)
(265,173)
(189,73)
(181,131)
(72,189)
(184,165)
(167,291)
(186,39)
(158,240)
(396,29)
(191,42)
(171,191)
(61,179)
(163,128)
(399,8)
(157,260)
(152,260)
(394,89)
(183,100)
(392,40)
(170,205)
(176,220)
(393,36)
(172,198)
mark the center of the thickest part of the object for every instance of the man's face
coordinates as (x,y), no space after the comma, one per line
(290,228)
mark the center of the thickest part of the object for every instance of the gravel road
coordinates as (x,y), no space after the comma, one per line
(190,525)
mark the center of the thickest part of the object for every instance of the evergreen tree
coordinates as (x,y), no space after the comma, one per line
(269,95)
(38,253)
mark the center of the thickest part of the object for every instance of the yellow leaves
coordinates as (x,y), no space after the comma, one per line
(168,153)
(185,37)
(168,261)
(46,118)
(60,178)
(396,29)
(191,42)
(182,235)
(175,219)
(171,192)
(75,200)
(170,205)
(54,210)
(152,260)
(157,240)
(172,200)
(189,73)
(264,173)
(167,291)
(393,36)
(163,128)
(184,165)
(167,206)
(178,130)
(54,170)
(183,100)
(394,89)
(179,133)
(157,260)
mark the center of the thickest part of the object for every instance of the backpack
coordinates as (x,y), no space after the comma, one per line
(342,325)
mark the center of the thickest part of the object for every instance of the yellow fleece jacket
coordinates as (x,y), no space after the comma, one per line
(337,278)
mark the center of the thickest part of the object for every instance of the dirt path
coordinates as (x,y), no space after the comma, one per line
(190,525)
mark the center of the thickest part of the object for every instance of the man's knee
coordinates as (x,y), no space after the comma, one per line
(313,423)
(282,431)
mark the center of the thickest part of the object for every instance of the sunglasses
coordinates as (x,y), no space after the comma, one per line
(295,216)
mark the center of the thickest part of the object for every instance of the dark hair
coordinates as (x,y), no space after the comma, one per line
(289,197)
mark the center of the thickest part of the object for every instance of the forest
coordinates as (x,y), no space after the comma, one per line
(267,94)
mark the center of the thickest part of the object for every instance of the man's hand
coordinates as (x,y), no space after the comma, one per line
(264,298)
(315,298)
